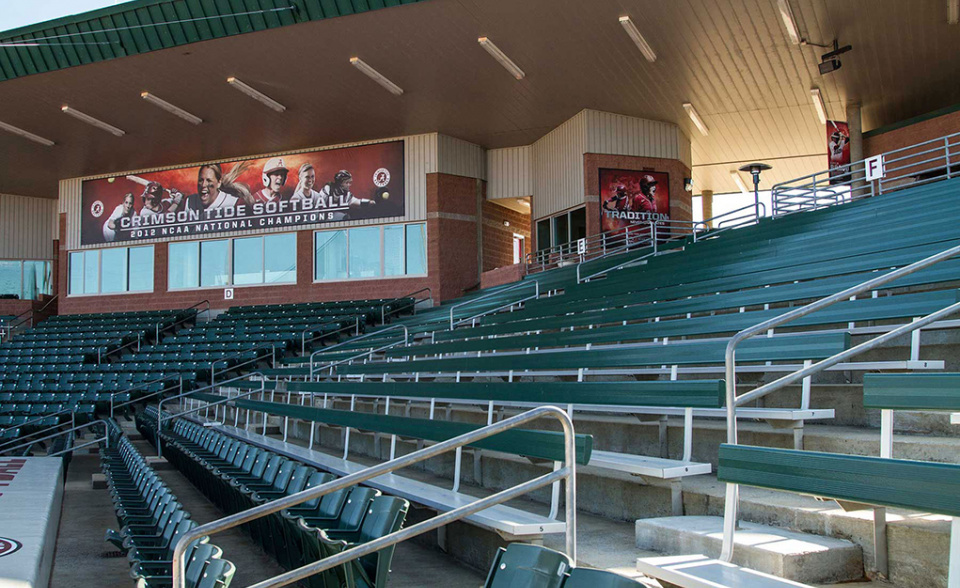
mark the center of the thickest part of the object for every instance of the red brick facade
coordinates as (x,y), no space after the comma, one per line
(453,207)
(925,130)
(498,237)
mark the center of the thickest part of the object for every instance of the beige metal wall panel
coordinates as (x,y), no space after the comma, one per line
(27,226)
(460,158)
(686,149)
(616,134)
(510,172)
(419,156)
(558,168)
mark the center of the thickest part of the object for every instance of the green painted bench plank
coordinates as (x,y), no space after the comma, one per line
(794,347)
(912,391)
(914,485)
(682,393)
(869,309)
(537,444)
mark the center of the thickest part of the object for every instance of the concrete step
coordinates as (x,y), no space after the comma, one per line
(802,557)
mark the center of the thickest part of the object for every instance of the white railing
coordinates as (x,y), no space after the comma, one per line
(929,161)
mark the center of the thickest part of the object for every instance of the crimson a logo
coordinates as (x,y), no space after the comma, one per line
(9,546)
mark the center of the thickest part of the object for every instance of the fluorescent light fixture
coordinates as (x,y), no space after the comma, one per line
(953,12)
(26,134)
(92,121)
(638,39)
(786,14)
(376,76)
(695,117)
(499,55)
(818,104)
(171,108)
(739,181)
(256,95)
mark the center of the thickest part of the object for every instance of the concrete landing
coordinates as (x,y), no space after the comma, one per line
(802,557)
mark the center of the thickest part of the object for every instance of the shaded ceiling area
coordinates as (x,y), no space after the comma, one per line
(731,58)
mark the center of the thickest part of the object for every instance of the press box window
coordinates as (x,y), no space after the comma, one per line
(270,259)
(116,270)
(370,252)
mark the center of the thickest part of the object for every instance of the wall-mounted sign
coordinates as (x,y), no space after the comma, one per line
(350,183)
(628,197)
(838,151)
(228,293)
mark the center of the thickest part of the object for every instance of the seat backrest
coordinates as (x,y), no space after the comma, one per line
(284,475)
(355,508)
(384,516)
(318,479)
(913,391)
(590,578)
(218,574)
(852,478)
(197,562)
(298,480)
(530,566)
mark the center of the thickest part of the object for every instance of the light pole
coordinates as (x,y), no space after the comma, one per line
(754,170)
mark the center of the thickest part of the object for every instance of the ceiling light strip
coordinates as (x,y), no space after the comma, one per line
(739,181)
(786,14)
(92,121)
(376,76)
(695,117)
(256,95)
(638,39)
(26,134)
(501,57)
(819,105)
(176,110)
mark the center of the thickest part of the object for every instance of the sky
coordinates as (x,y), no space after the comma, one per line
(18,13)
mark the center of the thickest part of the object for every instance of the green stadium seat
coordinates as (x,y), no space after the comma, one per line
(526,565)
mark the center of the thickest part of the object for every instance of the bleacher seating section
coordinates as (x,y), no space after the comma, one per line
(152,521)
(646,338)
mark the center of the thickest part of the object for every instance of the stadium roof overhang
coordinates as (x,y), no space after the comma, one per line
(732,59)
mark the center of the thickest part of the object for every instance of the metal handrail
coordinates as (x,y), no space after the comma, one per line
(848,182)
(567,473)
(303,334)
(213,374)
(406,339)
(77,428)
(73,422)
(333,364)
(732,400)
(142,398)
(516,286)
(383,316)
(138,387)
(184,319)
(160,417)
(100,355)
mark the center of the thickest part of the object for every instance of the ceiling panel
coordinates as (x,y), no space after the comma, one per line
(730,58)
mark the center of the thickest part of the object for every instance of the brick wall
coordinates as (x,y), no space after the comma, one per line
(938,126)
(498,238)
(453,210)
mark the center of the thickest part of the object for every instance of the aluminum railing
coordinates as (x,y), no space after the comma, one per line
(918,164)
(273,354)
(567,473)
(72,423)
(161,418)
(383,308)
(406,340)
(519,285)
(161,392)
(140,387)
(733,401)
(311,328)
(61,433)
(182,320)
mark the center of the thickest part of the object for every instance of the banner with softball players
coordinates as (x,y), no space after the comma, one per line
(628,197)
(350,183)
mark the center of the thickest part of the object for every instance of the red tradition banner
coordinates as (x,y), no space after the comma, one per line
(838,150)
(350,183)
(628,197)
